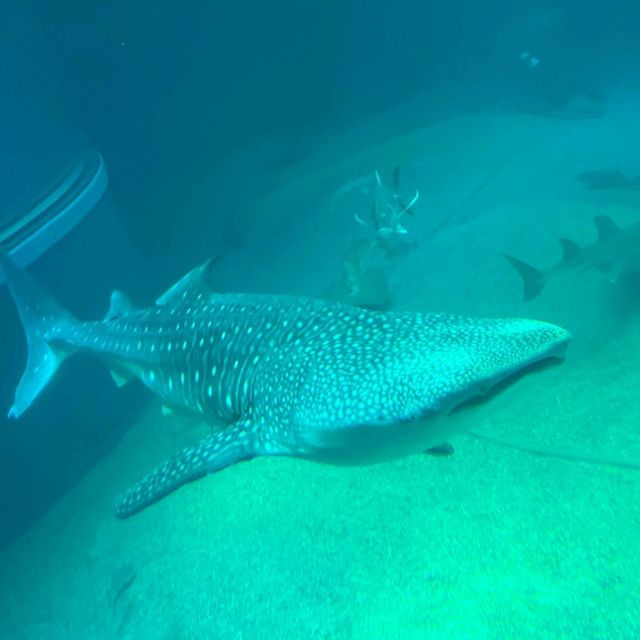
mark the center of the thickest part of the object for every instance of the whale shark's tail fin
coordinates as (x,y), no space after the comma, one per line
(39,313)
(533,280)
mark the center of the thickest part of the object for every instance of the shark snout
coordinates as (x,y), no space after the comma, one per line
(539,340)
(516,346)
(505,351)
(525,345)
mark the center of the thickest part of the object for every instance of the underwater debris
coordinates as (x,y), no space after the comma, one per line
(388,208)
(551,451)
(372,291)
(362,186)
(362,284)
(122,578)
(443,450)
(368,261)
(357,255)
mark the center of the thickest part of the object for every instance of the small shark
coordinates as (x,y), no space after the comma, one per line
(616,252)
(283,375)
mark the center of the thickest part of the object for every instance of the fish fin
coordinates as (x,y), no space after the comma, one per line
(533,280)
(194,282)
(119,304)
(606,228)
(571,250)
(441,450)
(165,410)
(39,313)
(215,452)
(120,378)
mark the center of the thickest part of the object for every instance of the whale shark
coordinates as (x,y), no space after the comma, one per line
(279,375)
(615,253)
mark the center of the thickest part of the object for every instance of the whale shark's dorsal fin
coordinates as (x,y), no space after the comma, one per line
(194,282)
(119,304)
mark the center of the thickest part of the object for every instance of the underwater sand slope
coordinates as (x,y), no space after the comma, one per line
(482,544)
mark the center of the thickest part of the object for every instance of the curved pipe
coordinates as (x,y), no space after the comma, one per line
(60,212)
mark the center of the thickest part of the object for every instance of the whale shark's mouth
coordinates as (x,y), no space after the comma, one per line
(371,443)
(487,393)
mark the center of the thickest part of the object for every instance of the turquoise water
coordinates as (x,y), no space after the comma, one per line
(256,135)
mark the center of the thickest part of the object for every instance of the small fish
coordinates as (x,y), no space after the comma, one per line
(616,252)
(283,375)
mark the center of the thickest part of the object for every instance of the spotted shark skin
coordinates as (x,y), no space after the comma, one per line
(280,375)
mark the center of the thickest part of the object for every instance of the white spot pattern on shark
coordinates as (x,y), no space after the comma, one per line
(283,375)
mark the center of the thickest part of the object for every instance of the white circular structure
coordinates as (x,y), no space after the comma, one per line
(28,233)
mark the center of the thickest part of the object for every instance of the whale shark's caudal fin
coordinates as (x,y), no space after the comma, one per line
(533,280)
(213,453)
(39,313)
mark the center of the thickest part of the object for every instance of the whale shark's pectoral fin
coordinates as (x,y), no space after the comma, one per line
(444,449)
(215,452)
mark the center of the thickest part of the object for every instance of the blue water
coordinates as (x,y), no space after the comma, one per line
(253,131)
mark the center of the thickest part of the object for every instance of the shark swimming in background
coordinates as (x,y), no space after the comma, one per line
(283,375)
(616,252)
